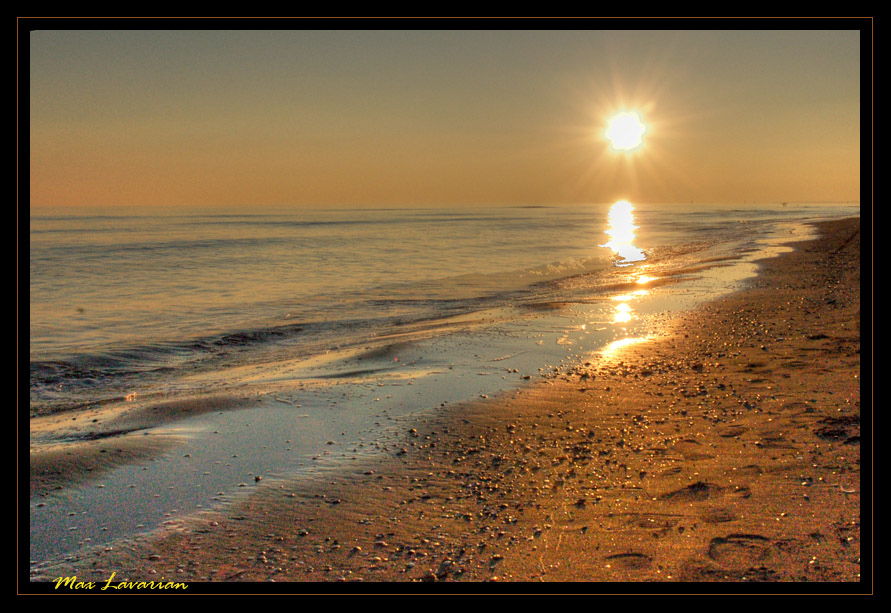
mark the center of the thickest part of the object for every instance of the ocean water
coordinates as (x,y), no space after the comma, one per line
(342,324)
(121,303)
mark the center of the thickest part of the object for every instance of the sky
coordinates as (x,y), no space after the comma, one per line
(311,118)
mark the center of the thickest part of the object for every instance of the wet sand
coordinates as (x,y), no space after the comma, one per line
(74,447)
(727,449)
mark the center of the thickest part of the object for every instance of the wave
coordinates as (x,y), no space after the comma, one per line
(311,328)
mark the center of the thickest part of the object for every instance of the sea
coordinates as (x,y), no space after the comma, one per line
(341,326)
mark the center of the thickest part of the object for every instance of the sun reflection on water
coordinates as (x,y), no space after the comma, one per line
(626,297)
(621,233)
(615,346)
(623,313)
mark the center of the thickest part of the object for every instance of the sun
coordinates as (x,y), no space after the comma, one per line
(625,131)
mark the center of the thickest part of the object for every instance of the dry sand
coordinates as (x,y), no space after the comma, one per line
(727,449)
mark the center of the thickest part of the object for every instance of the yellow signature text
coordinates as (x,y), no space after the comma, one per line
(73,583)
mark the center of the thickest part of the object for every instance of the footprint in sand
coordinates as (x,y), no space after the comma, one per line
(660,521)
(717,516)
(749,470)
(739,550)
(629,561)
(732,430)
(837,428)
(692,450)
(694,492)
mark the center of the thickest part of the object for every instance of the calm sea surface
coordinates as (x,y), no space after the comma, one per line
(121,303)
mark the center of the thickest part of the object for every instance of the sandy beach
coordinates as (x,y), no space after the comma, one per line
(727,449)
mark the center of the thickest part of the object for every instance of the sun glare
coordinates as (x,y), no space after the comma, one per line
(625,131)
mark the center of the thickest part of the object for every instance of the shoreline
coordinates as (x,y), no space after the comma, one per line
(725,450)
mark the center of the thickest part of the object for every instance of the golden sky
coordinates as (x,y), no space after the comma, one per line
(421,118)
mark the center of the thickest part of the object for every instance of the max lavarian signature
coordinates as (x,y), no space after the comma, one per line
(73,583)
